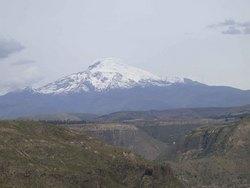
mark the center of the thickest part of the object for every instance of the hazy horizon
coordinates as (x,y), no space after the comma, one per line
(41,41)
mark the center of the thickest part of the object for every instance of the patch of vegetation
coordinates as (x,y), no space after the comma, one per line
(34,154)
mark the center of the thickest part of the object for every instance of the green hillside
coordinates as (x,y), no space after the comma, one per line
(36,155)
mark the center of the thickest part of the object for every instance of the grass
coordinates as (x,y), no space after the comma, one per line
(34,154)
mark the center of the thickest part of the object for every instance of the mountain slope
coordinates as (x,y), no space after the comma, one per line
(38,155)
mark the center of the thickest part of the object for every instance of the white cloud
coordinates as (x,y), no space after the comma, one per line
(9,47)
(232,31)
(18,77)
(23,62)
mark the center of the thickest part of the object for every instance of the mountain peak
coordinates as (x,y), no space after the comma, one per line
(107,62)
(115,66)
(103,75)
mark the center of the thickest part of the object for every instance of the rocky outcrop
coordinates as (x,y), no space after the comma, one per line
(216,156)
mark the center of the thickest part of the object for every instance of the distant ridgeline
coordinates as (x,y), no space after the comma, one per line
(64,122)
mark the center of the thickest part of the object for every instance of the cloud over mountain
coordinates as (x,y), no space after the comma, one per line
(232,27)
(9,47)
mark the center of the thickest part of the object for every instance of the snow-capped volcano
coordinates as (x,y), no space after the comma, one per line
(104,75)
(110,86)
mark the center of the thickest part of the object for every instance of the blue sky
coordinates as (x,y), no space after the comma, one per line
(207,41)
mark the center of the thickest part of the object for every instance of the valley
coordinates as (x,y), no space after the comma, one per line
(206,147)
(194,147)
